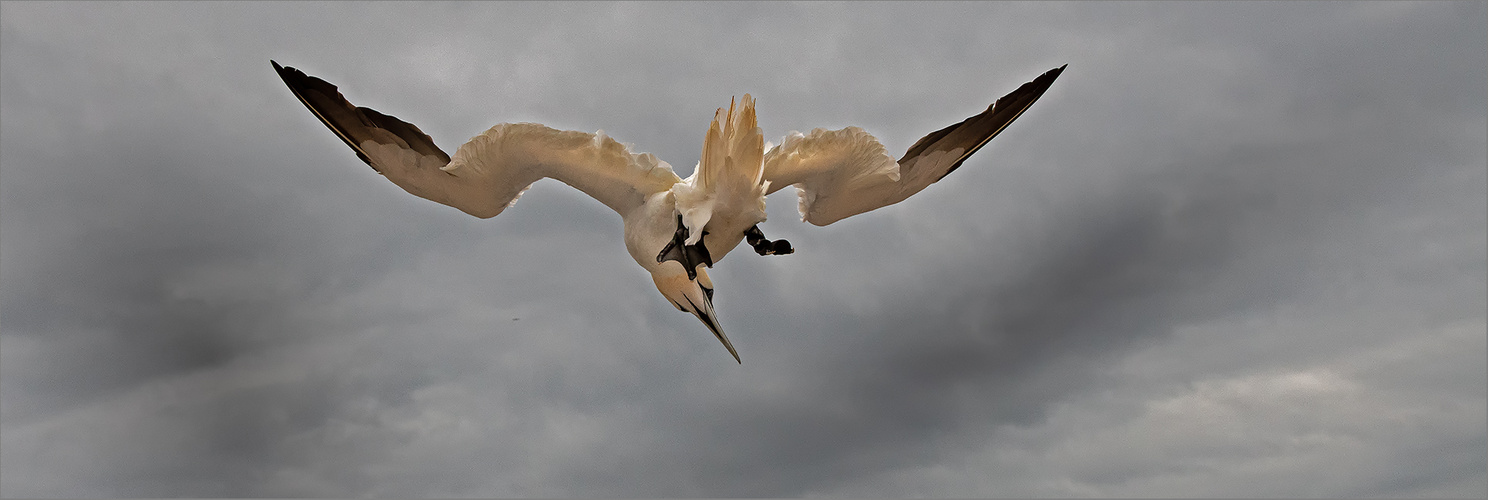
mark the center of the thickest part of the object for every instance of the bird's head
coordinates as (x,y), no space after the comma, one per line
(694,296)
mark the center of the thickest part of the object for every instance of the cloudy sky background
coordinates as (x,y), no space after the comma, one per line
(1236,250)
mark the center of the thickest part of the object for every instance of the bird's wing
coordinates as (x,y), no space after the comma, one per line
(841,173)
(488,173)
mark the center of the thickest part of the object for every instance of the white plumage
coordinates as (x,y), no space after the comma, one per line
(674,228)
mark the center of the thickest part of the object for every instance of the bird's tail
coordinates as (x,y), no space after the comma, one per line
(734,150)
(729,176)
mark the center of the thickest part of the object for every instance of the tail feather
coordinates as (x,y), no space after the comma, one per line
(730,172)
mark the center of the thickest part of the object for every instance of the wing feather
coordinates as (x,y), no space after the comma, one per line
(492,170)
(831,169)
(845,172)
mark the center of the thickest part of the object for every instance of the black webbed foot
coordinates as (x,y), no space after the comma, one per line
(763,246)
(782,247)
(687,255)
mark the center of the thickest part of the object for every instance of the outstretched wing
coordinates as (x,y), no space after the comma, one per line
(488,173)
(841,173)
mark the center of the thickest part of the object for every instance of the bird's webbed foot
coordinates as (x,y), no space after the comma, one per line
(762,246)
(687,255)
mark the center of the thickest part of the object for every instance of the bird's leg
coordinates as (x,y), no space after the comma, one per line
(687,255)
(762,246)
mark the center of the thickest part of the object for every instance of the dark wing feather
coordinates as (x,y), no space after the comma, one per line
(491,170)
(974,132)
(355,124)
(841,173)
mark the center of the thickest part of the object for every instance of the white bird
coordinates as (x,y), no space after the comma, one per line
(674,228)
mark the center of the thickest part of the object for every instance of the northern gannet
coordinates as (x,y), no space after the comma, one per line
(674,228)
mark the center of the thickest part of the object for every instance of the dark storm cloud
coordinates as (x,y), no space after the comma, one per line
(206,294)
(883,388)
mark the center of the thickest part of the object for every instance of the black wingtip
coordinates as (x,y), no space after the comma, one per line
(1049,76)
(284,72)
(1001,112)
(1031,90)
(289,74)
(1043,81)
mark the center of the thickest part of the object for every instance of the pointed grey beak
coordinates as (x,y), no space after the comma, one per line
(705,314)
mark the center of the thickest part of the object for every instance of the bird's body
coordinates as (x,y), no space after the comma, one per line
(674,228)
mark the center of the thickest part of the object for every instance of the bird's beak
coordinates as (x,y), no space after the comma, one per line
(704,312)
(694,296)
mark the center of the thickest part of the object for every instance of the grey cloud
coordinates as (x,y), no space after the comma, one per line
(205,294)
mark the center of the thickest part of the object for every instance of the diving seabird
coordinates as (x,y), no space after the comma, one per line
(674,228)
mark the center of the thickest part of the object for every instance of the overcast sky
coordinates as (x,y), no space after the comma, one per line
(1238,249)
